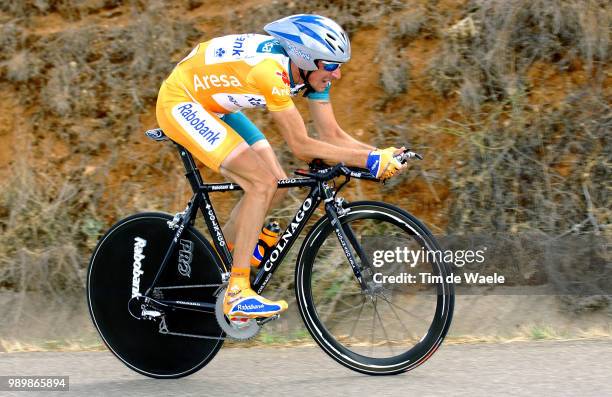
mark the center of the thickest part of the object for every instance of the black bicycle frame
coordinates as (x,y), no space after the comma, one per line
(318,191)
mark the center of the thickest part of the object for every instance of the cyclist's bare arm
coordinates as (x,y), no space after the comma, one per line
(292,127)
(325,122)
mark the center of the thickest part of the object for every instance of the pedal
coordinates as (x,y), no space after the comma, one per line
(234,327)
(266,320)
(239,322)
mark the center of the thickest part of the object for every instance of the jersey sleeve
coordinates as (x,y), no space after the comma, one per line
(322,96)
(273,83)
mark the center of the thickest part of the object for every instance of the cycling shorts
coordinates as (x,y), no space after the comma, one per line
(209,136)
(244,126)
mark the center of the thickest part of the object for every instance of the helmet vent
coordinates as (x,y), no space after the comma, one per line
(331,37)
(332,45)
(341,49)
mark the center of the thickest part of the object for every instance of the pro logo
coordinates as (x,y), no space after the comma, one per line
(185,258)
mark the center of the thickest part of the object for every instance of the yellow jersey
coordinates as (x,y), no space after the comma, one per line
(229,73)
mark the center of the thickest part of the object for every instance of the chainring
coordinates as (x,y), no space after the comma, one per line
(247,331)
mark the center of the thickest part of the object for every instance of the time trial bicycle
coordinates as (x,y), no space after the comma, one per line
(155,284)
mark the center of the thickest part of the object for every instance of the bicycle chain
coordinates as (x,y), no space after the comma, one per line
(163,329)
(248,332)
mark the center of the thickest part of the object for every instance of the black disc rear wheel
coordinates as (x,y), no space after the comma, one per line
(124,264)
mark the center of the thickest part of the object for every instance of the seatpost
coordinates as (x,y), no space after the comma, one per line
(191,171)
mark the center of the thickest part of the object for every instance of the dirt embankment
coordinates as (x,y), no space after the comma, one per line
(509,101)
(81,79)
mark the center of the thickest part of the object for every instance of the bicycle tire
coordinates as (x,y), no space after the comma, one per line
(111,282)
(333,344)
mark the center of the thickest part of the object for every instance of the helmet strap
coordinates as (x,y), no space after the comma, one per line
(304,75)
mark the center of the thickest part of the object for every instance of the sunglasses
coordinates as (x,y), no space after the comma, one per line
(330,66)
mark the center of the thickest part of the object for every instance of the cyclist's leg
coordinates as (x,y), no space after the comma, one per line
(218,146)
(258,142)
(266,153)
(246,168)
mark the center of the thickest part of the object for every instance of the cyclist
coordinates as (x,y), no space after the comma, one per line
(199,107)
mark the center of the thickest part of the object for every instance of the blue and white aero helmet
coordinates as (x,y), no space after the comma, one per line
(308,38)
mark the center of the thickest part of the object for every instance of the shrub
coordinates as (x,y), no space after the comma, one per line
(351,15)
(501,38)
(545,171)
(71,9)
(45,224)
(394,72)
(408,26)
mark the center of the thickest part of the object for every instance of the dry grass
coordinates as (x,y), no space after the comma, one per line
(544,176)
(523,170)
(46,224)
(301,338)
(394,72)
(491,49)
(351,15)
(106,75)
(89,68)
(63,345)
(70,9)
(87,87)
(407,26)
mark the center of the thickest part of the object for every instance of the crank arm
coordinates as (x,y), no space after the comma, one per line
(267,320)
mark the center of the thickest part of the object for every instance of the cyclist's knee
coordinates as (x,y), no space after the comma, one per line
(263,185)
(269,185)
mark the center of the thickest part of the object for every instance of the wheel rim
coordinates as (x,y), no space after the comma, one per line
(137,342)
(370,330)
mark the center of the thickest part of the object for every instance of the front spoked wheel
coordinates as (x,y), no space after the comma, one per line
(397,318)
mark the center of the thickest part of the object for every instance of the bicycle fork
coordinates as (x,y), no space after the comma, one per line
(346,237)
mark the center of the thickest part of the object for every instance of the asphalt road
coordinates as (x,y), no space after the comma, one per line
(546,368)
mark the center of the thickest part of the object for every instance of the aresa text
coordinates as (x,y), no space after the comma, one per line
(212,80)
